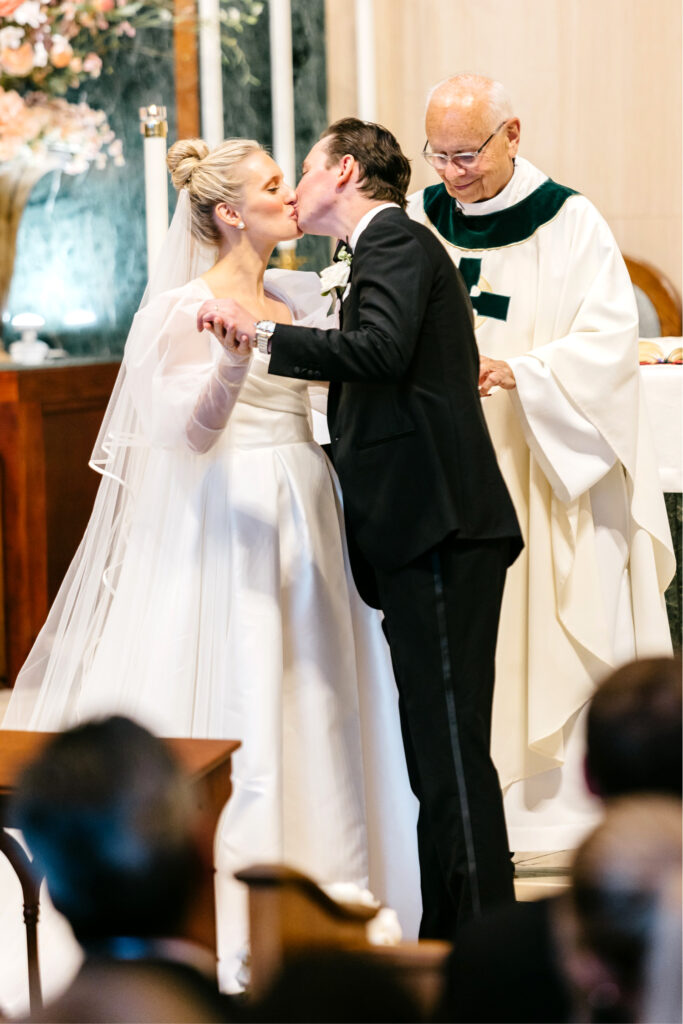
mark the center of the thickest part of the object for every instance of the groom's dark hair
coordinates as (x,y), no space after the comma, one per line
(384,169)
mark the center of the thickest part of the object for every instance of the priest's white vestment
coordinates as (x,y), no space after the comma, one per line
(552,298)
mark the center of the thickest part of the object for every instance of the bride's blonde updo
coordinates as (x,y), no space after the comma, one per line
(210,177)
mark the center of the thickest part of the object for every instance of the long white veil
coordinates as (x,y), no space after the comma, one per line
(50,679)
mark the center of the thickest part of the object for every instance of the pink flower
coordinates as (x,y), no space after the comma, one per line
(10,146)
(103,5)
(17,62)
(60,52)
(8,7)
(30,12)
(92,65)
(11,37)
(11,106)
(125,28)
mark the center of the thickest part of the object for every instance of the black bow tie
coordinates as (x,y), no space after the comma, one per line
(341,245)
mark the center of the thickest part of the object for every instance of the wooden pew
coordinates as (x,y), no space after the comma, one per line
(289,913)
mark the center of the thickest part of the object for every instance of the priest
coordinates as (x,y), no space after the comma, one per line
(557,329)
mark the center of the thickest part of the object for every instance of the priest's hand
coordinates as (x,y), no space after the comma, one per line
(231,323)
(494,373)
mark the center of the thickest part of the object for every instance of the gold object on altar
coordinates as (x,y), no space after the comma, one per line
(287,259)
(153,122)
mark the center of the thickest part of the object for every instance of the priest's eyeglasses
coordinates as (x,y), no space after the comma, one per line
(440,161)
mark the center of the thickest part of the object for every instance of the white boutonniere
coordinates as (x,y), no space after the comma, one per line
(336,276)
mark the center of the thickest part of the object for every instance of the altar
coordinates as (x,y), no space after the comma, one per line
(49,419)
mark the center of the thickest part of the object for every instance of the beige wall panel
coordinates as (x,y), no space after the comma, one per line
(340,32)
(596,83)
(647,237)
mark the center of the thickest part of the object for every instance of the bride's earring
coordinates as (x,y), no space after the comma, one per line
(241,225)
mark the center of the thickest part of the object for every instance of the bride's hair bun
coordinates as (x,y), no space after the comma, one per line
(183,158)
(210,177)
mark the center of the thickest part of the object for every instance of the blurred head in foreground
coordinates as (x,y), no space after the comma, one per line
(108,816)
(633,731)
(625,896)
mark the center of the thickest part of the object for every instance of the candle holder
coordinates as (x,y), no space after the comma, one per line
(287,259)
(153,123)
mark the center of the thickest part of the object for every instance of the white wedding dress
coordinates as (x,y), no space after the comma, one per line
(212,597)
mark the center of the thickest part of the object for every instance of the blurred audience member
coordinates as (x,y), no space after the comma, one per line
(623,888)
(633,730)
(109,817)
(662,990)
(633,744)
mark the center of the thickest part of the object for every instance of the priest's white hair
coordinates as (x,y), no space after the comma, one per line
(499,100)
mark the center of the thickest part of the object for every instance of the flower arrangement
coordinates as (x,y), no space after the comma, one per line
(50,46)
(56,45)
(41,129)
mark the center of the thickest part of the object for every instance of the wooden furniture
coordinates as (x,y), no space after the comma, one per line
(289,913)
(186,62)
(208,764)
(49,419)
(661,293)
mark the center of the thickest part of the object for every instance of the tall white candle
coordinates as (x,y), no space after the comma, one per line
(210,72)
(153,127)
(365,60)
(282,93)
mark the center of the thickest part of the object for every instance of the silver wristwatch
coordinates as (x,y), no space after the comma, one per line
(264,330)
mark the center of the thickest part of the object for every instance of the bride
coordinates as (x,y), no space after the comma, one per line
(211,594)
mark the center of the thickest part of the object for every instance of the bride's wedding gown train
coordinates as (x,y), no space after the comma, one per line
(212,597)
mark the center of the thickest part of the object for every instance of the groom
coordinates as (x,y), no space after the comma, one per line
(431,526)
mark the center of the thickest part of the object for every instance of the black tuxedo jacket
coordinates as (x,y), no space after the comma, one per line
(408,437)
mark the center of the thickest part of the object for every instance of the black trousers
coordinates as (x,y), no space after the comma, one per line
(441,620)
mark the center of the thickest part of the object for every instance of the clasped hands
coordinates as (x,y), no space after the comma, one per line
(494,373)
(235,328)
(231,323)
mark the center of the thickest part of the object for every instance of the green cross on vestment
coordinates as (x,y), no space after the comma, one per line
(485,303)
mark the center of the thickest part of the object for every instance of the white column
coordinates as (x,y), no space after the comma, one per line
(210,72)
(282,94)
(154,128)
(365,60)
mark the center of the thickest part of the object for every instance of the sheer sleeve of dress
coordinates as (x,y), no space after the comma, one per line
(183,384)
(176,390)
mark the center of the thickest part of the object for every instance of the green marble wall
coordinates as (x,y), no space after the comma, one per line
(82,243)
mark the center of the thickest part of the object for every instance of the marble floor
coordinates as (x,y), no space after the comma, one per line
(541,874)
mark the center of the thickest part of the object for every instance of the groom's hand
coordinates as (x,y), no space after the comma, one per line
(231,323)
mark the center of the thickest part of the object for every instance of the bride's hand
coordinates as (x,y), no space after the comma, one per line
(232,324)
(239,347)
